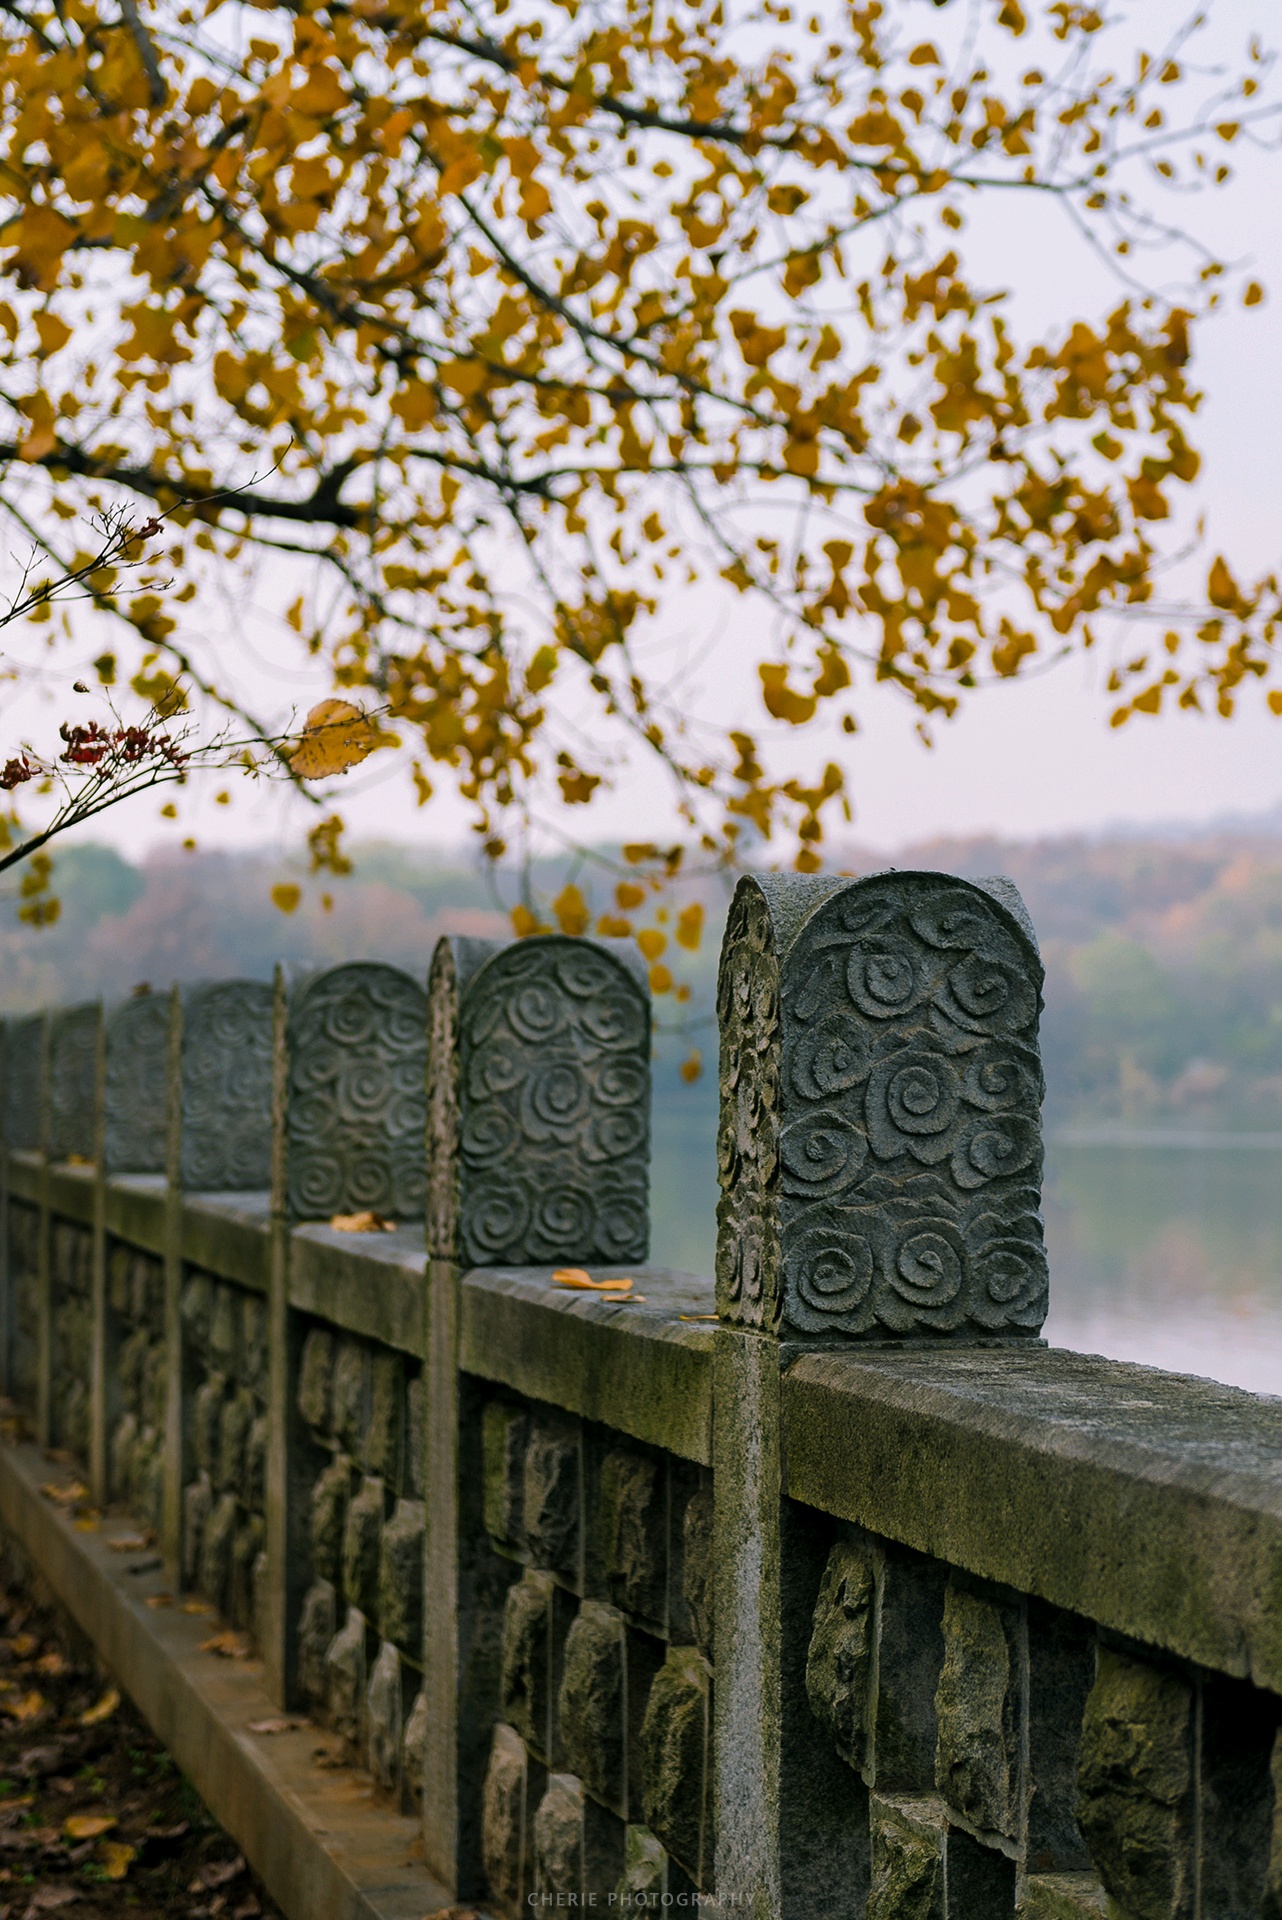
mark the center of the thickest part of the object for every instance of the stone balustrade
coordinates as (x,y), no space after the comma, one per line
(821,1590)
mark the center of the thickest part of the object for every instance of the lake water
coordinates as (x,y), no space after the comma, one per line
(1170,1254)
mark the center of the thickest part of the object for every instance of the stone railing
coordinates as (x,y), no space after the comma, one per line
(827,1590)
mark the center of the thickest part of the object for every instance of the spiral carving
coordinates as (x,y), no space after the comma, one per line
(554,1121)
(884,1122)
(137,1057)
(226,1087)
(357,1112)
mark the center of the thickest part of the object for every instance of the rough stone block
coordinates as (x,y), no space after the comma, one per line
(908,1845)
(197,1298)
(149,1479)
(383,1718)
(350,1402)
(155,1384)
(385,1436)
(504,1429)
(1061,1669)
(1135,1785)
(317,1625)
(253,1338)
(504,1816)
(413,1748)
(207,1413)
(550,1497)
(592,1705)
(124,1440)
(675,1761)
(1061,1896)
(910,1658)
(981,1880)
(526,1675)
(224,1329)
(558,1842)
(839,1663)
(696,1566)
(330,1497)
(118,1278)
(236,1418)
(216,1552)
(198,1501)
(978,1708)
(131,1367)
(1238,1809)
(400,1578)
(645,1871)
(246,1547)
(316,1379)
(345,1678)
(253,1486)
(361,1539)
(633,1517)
(415,1438)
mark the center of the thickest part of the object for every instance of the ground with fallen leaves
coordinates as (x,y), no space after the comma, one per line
(94,1815)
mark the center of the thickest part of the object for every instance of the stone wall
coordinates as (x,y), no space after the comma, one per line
(826,1590)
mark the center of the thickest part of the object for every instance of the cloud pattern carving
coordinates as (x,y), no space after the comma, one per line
(906,1105)
(227,1086)
(554,1139)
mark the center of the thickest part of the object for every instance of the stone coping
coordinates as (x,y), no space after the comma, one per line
(1150,1502)
(638,1367)
(321,1843)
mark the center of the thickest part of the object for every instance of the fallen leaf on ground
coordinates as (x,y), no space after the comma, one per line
(101,1709)
(64,1496)
(48,1899)
(161,1835)
(583,1282)
(88,1826)
(87,1522)
(159,1600)
(219,1873)
(697,1316)
(247,1910)
(39,1760)
(26,1707)
(117,1856)
(196,1606)
(24,1645)
(367,1222)
(277,1726)
(230,1644)
(131,1543)
(51,1663)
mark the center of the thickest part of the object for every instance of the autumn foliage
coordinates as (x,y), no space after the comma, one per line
(531,317)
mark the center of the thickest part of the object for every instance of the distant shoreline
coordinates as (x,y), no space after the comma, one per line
(1116,1134)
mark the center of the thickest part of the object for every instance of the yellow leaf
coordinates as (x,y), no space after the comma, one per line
(117,1856)
(87,1826)
(612,926)
(229,1644)
(1275,703)
(336,735)
(660,980)
(571,910)
(692,1067)
(651,942)
(581,1282)
(286,897)
(689,929)
(101,1709)
(54,333)
(1253,295)
(28,1707)
(524,923)
(362,1223)
(628,895)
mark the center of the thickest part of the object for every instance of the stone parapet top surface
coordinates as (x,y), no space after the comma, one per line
(633,1364)
(1148,1501)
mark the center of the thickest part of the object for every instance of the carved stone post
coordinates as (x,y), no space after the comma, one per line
(218,1121)
(879,1155)
(349,1122)
(539,1094)
(26,1073)
(74,1107)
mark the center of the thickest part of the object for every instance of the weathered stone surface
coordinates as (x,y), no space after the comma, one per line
(357,1099)
(1135,1804)
(558,1841)
(1061,1896)
(383,1718)
(246,1548)
(400,1578)
(350,1404)
(386,1415)
(632,1512)
(526,1688)
(415,1437)
(207,1413)
(1061,1670)
(550,1497)
(503,1433)
(317,1626)
(345,1677)
(226,1086)
(137,1036)
(254,1479)
(910,1658)
(977,1705)
(233,1434)
(253,1338)
(1271,1904)
(880,1146)
(197,1295)
(907,1859)
(1237,1807)
(839,1662)
(316,1378)
(330,1497)
(697,1564)
(124,1439)
(645,1871)
(554,1069)
(591,1704)
(216,1552)
(198,1500)
(503,1816)
(361,1541)
(224,1329)
(73,1074)
(118,1280)
(675,1761)
(413,1746)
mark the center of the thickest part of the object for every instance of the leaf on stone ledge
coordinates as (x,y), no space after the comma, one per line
(280,1725)
(367,1222)
(582,1282)
(131,1543)
(159,1600)
(229,1644)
